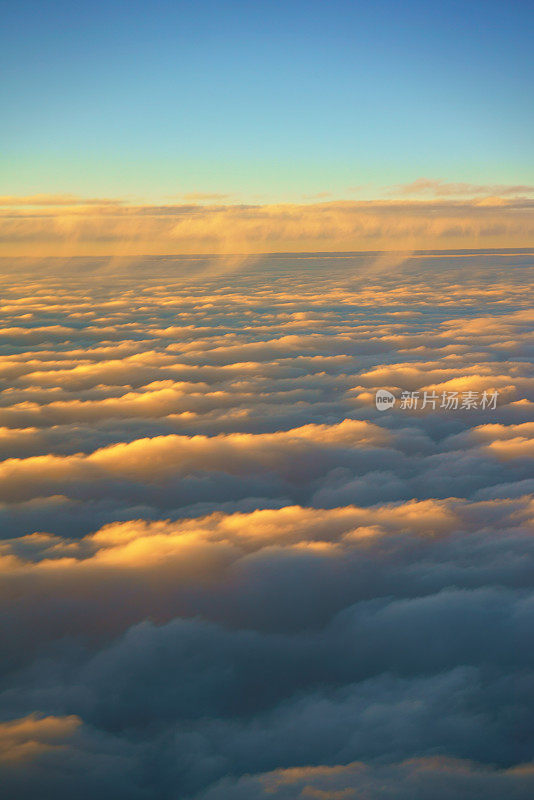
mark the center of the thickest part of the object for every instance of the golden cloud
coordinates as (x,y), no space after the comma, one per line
(22,739)
(114,228)
(161,457)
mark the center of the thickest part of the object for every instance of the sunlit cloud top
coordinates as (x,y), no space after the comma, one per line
(63,226)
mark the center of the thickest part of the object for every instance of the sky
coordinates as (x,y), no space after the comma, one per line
(264,102)
(266,400)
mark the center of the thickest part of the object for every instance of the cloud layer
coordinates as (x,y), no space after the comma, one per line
(224,573)
(493,216)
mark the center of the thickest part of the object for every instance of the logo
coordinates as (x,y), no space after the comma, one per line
(384,400)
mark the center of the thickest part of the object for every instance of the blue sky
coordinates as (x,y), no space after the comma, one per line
(264,101)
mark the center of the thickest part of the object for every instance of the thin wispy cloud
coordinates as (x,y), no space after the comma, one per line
(441,188)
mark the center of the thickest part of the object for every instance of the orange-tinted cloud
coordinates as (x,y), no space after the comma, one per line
(119,229)
(441,188)
(23,739)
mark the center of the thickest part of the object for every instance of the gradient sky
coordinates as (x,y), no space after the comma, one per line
(264,101)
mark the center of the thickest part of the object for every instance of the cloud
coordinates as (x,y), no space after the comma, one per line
(55,200)
(440,188)
(24,739)
(199,196)
(159,458)
(224,572)
(129,230)
(414,779)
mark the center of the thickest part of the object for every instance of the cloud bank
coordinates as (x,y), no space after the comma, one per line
(493,216)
